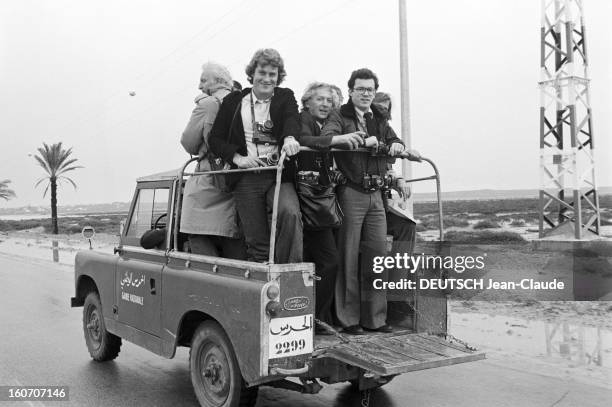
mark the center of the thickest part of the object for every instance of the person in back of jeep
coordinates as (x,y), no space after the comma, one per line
(252,128)
(320,100)
(358,304)
(209,214)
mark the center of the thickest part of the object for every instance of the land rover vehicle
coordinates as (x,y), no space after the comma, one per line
(247,324)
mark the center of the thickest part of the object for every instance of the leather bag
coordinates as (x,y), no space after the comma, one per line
(319,206)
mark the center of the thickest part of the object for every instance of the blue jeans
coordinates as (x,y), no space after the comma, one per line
(254,194)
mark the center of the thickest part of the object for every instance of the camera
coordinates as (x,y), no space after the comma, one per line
(380,149)
(377,182)
(336,177)
(270,158)
(262,133)
(314,178)
(264,127)
(308,177)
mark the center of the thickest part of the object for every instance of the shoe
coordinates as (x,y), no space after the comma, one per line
(384,329)
(319,330)
(354,330)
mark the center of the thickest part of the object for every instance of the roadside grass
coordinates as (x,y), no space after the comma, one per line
(486,224)
(102,223)
(471,208)
(483,237)
(516,212)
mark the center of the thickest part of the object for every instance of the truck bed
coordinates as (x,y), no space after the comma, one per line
(394,353)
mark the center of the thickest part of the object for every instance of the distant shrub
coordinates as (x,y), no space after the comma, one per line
(517,222)
(103,223)
(483,237)
(429,222)
(486,224)
(451,221)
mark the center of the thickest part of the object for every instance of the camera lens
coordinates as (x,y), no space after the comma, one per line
(273,158)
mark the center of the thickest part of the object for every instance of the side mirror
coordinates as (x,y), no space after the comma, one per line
(122,226)
(88,233)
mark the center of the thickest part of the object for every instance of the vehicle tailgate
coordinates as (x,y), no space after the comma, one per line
(390,354)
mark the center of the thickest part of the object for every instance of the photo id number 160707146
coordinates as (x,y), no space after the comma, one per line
(34,393)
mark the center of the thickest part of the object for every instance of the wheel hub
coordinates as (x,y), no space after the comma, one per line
(215,375)
(94,325)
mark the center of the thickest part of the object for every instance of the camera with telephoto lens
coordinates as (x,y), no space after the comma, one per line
(262,133)
(270,158)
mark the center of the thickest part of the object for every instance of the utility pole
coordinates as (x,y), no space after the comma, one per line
(569,203)
(405,90)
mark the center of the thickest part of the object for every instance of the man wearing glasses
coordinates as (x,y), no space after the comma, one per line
(358,305)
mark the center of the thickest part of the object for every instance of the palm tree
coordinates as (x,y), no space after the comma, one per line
(5,192)
(56,162)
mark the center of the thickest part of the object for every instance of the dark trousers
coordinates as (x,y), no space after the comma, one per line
(254,194)
(364,227)
(404,234)
(320,249)
(219,246)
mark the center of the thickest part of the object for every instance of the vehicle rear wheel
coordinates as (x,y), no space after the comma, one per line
(215,373)
(101,344)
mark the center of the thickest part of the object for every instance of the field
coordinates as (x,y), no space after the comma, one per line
(490,221)
(103,223)
(465,221)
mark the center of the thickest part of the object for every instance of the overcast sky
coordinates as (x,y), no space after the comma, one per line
(67,68)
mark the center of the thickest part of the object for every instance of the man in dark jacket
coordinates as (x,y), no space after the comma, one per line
(358,304)
(319,102)
(252,128)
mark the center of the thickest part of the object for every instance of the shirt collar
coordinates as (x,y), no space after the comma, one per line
(255,100)
(360,113)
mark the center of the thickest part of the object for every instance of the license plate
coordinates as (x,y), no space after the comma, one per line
(290,336)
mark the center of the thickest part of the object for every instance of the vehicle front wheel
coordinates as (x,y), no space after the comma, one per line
(101,344)
(215,373)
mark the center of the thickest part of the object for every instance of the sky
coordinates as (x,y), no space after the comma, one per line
(67,69)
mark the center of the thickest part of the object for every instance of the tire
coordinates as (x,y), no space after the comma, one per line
(215,374)
(101,344)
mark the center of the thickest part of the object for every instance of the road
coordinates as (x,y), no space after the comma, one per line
(42,344)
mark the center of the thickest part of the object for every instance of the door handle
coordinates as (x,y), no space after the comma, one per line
(152,285)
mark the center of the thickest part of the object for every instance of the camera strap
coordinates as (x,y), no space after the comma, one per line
(253,122)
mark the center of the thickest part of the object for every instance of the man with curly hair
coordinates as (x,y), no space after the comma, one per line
(319,102)
(251,125)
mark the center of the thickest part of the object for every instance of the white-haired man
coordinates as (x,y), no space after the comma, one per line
(209,215)
(320,100)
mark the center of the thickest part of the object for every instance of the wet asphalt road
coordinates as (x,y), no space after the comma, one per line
(41,343)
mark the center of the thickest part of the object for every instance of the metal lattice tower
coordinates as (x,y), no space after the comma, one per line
(569,204)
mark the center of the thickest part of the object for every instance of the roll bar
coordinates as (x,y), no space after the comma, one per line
(279,169)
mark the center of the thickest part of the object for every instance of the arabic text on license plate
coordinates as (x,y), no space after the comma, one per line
(290,336)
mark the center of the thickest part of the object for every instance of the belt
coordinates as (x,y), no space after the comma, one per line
(359,187)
